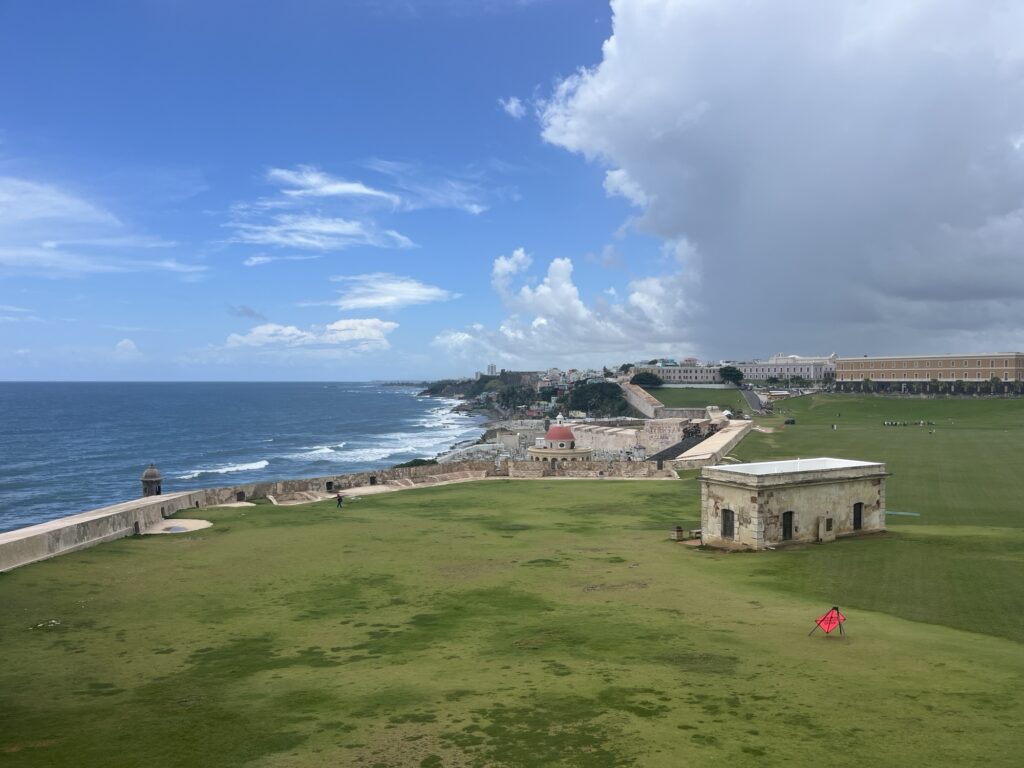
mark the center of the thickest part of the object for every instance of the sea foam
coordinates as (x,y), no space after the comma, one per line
(261,464)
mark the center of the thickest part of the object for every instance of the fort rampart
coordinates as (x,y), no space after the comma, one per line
(67,534)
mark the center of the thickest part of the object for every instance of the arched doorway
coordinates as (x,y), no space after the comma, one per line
(787,526)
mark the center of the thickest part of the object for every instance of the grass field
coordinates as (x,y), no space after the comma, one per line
(694,397)
(536,623)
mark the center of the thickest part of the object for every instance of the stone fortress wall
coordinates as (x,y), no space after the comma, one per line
(664,429)
(67,534)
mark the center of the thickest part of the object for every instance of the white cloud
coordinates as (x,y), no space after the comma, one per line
(846,169)
(382,290)
(315,232)
(23,200)
(310,181)
(126,350)
(549,323)
(48,231)
(58,263)
(353,335)
(425,188)
(261,258)
(505,267)
(618,183)
(513,106)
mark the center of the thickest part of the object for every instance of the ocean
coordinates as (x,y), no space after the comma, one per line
(70,447)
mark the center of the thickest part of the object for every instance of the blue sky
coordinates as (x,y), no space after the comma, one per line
(351,190)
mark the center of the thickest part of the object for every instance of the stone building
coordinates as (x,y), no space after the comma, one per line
(1006,366)
(559,444)
(770,503)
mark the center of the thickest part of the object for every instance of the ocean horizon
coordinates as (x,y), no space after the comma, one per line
(68,447)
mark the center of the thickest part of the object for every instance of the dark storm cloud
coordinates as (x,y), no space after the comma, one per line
(851,174)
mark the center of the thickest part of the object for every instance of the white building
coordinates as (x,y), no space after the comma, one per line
(784,367)
(687,372)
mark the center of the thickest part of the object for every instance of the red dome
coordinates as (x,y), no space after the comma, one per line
(559,433)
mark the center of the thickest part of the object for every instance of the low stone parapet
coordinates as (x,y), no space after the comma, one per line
(39,542)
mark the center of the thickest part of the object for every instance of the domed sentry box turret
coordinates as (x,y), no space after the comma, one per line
(151,481)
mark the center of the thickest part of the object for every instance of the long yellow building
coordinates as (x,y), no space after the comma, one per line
(1006,366)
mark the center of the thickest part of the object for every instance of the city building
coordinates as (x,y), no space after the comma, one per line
(687,372)
(1006,366)
(492,370)
(786,367)
(770,503)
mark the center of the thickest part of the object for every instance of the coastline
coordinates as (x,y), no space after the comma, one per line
(203,435)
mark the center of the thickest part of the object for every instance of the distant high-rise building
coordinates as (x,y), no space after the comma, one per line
(492,370)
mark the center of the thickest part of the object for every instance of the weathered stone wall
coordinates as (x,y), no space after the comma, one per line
(214,496)
(759,503)
(39,542)
(682,413)
(587,469)
(601,438)
(642,400)
(659,434)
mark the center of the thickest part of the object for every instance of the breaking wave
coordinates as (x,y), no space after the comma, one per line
(261,464)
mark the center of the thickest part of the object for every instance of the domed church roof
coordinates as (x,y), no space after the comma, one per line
(559,433)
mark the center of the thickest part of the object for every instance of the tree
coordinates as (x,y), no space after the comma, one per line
(647,379)
(625,367)
(731,374)
(600,399)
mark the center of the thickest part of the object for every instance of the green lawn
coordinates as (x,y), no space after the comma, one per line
(694,397)
(536,623)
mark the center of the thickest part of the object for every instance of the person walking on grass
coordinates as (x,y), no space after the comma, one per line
(341,500)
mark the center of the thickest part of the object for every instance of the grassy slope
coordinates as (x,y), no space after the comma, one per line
(499,623)
(959,562)
(693,397)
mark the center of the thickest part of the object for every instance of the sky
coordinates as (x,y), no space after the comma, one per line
(408,189)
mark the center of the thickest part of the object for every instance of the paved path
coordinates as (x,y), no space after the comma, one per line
(752,399)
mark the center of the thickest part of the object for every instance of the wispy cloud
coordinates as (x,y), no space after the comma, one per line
(381,290)
(260,259)
(313,211)
(48,231)
(513,106)
(425,188)
(23,200)
(59,263)
(314,231)
(310,181)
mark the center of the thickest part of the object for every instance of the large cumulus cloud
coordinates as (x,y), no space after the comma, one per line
(851,172)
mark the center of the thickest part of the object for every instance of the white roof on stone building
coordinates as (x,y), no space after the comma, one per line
(792,465)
